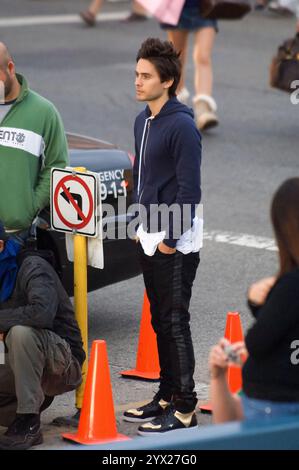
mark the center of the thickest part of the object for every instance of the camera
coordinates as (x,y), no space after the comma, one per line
(232,355)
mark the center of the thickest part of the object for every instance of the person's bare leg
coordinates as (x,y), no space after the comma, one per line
(202,56)
(95,6)
(204,105)
(179,38)
(89,15)
(138,9)
(138,13)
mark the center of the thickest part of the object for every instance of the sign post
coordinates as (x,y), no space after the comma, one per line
(73,209)
(80,301)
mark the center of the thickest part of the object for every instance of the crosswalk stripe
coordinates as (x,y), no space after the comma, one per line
(241,239)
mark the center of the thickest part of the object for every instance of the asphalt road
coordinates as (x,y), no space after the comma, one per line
(89,75)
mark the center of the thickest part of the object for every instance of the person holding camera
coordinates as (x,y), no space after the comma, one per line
(270,373)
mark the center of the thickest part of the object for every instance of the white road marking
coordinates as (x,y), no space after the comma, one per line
(241,239)
(58,19)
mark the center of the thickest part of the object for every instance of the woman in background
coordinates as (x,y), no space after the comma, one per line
(204,35)
(271,372)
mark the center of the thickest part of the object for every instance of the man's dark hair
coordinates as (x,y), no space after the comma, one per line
(165,59)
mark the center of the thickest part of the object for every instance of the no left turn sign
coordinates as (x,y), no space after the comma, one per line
(74,201)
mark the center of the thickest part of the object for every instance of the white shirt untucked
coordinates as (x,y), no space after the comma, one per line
(189,242)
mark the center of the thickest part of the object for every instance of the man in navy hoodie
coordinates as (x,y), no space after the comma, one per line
(167,189)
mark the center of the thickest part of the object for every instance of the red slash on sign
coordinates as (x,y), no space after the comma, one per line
(71,199)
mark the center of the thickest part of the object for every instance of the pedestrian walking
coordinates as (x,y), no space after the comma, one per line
(204,30)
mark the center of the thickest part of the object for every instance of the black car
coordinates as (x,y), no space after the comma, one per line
(115,169)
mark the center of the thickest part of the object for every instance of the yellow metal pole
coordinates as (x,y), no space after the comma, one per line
(80,300)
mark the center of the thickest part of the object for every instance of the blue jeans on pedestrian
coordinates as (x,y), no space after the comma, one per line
(265,409)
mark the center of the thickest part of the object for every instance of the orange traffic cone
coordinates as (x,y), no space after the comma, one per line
(147,363)
(97,423)
(234,333)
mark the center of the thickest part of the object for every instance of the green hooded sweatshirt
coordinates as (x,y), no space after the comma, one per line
(32,141)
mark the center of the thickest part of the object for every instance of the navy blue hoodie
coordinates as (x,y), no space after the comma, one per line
(169,146)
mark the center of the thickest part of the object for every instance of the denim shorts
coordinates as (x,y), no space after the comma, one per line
(264,409)
(190,20)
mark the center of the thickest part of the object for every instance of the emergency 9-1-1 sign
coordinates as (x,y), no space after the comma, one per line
(74,201)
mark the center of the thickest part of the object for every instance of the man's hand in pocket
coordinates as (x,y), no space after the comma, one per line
(166,250)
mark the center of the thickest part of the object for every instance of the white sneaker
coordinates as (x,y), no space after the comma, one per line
(205,108)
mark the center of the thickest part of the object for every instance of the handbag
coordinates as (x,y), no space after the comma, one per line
(166,11)
(224,10)
(284,68)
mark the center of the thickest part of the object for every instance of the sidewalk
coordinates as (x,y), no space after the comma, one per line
(63,405)
(52,434)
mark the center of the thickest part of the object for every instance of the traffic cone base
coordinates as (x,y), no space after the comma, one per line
(147,363)
(75,438)
(136,374)
(97,422)
(207,408)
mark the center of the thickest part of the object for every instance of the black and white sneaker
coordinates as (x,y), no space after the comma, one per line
(146,412)
(171,420)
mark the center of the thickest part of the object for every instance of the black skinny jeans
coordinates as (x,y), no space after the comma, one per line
(168,280)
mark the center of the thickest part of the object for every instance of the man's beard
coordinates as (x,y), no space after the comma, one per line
(8,85)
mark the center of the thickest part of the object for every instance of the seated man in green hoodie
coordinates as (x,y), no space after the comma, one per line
(43,345)
(32,141)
